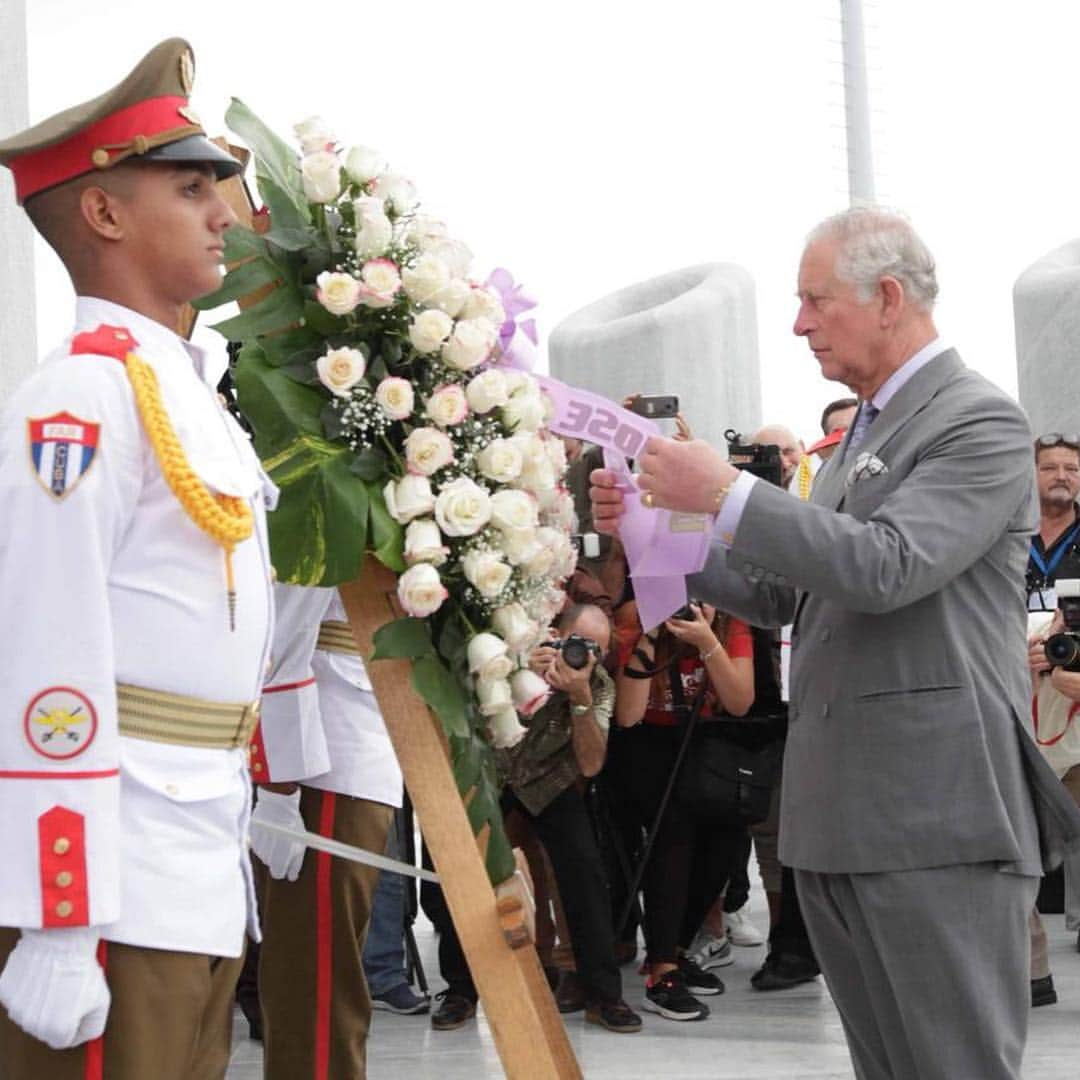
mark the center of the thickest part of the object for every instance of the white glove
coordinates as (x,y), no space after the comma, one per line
(53,987)
(282,855)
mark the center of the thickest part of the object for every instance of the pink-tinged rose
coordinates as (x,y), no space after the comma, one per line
(447,406)
(427,450)
(423,543)
(395,397)
(314,134)
(340,370)
(380,283)
(421,591)
(505,729)
(338,293)
(529,691)
(493,696)
(363,164)
(408,498)
(462,507)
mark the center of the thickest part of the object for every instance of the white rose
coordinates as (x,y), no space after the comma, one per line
(429,330)
(338,293)
(462,508)
(558,509)
(340,370)
(469,345)
(374,230)
(487,572)
(487,390)
(524,411)
(556,454)
(515,627)
(506,729)
(394,396)
(381,283)
(529,691)
(424,230)
(537,474)
(488,657)
(500,460)
(427,450)
(518,545)
(546,554)
(397,190)
(547,605)
(408,498)
(454,253)
(512,509)
(494,696)
(364,164)
(321,173)
(314,135)
(425,278)
(423,543)
(517,380)
(447,406)
(450,298)
(483,304)
(421,591)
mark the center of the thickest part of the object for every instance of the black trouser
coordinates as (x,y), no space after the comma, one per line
(564,829)
(738,886)
(788,935)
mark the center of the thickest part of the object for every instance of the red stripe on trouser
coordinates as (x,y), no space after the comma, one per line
(324,941)
(95,1049)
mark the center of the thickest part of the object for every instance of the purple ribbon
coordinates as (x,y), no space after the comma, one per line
(517,338)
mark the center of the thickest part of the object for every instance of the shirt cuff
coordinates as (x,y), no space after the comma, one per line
(726,523)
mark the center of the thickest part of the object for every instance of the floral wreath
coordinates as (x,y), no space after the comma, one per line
(378,380)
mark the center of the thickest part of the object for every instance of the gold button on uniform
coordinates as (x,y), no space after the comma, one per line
(256,767)
(61,845)
(64,908)
(63,879)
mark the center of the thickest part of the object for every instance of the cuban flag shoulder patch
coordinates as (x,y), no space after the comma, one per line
(62,449)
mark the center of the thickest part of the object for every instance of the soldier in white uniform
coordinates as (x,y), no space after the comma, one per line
(135,584)
(325,764)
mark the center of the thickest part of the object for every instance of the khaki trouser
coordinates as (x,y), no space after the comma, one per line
(315,1001)
(170,1019)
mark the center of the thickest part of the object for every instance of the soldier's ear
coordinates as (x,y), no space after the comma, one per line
(100,210)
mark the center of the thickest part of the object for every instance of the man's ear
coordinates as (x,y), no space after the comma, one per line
(100,210)
(893,301)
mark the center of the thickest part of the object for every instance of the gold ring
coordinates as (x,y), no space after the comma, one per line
(646,500)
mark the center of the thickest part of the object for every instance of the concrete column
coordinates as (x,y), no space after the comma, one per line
(18,344)
(860,153)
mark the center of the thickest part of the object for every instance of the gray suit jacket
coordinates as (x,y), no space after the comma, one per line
(908,742)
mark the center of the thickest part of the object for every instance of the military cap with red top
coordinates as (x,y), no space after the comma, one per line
(146,117)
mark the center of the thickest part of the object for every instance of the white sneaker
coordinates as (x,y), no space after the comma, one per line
(709,951)
(740,930)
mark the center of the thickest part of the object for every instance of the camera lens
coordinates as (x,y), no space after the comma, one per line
(1062,650)
(575,653)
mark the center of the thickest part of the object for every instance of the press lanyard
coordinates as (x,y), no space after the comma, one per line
(1048,568)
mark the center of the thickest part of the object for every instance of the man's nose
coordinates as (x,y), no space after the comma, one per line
(803,322)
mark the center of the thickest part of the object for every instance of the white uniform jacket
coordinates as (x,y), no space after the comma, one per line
(104,579)
(320,722)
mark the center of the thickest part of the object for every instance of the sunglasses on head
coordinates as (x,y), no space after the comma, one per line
(1055,438)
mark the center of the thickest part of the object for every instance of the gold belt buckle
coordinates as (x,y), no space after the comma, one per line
(249,720)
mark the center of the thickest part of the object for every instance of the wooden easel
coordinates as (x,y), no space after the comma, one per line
(496,931)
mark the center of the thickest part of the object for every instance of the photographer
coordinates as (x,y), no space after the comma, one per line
(565,741)
(712,653)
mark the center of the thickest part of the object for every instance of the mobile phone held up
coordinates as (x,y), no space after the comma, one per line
(655,406)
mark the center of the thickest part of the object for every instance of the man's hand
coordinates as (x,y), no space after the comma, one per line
(53,987)
(607,501)
(282,855)
(1066,683)
(1036,652)
(573,681)
(684,476)
(542,659)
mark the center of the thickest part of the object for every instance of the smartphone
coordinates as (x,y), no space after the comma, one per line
(656,406)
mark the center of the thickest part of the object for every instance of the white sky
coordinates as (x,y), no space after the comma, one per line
(592,144)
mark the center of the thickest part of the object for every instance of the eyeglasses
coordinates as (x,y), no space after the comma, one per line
(1055,438)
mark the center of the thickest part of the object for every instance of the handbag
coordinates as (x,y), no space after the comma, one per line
(730,763)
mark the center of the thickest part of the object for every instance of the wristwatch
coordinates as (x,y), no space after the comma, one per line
(580,710)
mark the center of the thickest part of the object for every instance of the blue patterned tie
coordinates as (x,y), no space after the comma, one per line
(867,412)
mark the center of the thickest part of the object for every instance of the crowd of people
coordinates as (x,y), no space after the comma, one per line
(917,765)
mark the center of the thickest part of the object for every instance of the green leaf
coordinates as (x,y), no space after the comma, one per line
(452,644)
(288,346)
(291,239)
(442,692)
(331,422)
(387,536)
(239,282)
(405,638)
(303,371)
(370,464)
(321,321)
(318,533)
(275,160)
(241,243)
(283,307)
(278,408)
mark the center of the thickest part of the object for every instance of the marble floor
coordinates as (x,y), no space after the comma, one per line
(793,1034)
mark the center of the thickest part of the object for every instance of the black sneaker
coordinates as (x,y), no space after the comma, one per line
(781,971)
(453,1011)
(613,1015)
(669,997)
(1043,992)
(699,981)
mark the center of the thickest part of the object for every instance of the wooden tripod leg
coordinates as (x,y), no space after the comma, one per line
(528,1031)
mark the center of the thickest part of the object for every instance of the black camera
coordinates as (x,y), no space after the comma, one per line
(761,459)
(1063,650)
(576,650)
(687,612)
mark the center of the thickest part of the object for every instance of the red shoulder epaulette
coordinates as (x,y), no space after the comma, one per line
(112,341)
